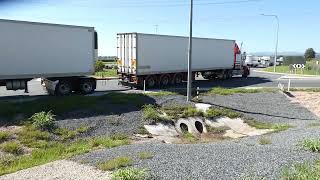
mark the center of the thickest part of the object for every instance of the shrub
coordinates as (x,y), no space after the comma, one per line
(130,174)
(116,163)
(99,66)
(43,120)
(12,147)
(145,155)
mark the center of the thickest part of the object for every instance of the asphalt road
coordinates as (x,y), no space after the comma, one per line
(256,79)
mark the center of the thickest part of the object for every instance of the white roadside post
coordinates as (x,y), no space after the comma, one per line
(189,84)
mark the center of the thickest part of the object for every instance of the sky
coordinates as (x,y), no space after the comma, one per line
(239,20)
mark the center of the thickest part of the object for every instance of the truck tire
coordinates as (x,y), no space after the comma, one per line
(64,88)
(165,80)
(151,82)
(177,79)
(87,86)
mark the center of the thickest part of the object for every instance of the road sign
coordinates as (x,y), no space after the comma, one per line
(298,66)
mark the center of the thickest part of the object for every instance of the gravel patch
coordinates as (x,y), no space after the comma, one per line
(234,159)
(265,107)
(230,159)
(62,170)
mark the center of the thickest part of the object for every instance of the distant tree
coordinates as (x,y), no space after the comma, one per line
(99,66)
(309,54)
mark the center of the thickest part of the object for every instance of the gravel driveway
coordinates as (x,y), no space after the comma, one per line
(231,159)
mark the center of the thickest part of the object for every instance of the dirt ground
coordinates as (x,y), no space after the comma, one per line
(309,100)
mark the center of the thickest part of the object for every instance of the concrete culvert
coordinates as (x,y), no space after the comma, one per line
(184,128)
(199,126)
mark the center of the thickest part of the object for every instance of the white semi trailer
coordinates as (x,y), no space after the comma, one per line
(162,60)
(62,55)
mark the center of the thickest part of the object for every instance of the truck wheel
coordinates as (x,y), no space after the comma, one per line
(165,80)
(178,79)
(86,87)
(151,82)
(63,88)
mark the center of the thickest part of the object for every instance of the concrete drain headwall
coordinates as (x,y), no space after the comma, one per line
(194,126)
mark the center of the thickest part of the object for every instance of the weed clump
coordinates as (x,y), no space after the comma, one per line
(116,163)
(43,120)
(130,174)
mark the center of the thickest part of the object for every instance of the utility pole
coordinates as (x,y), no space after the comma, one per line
(156,28)
(189,84)
(277,40)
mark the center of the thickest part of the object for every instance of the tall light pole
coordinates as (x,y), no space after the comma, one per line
(277,41)
(189,84)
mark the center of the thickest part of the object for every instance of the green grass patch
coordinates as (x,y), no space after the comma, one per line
(62,105)
(303,171)
(142,130)
(190,138)
(312,144)
(12,147)
(265,140)
(58,150)
(4,136)
(116,163)
(262,125)
(31,137)
(231,91)
(221,112)
(162,93)
(145,155)
(285,69)
(107,73)
(305,89)
(130,174)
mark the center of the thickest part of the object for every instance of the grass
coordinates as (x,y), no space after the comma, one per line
(150,112)
(82,129)
(312,144)
(116,163)
(220,112)
(47,150)
(145,155)
(62,105)
(262,125)
(12,147)
(107,73)
(130,174)
(142,130)
(305,89)
(190,138)
(265,140)
(285,69)
(230,91)
(161,93)
(4,136)
(303,171)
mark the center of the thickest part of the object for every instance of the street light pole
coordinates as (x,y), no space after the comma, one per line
(277,41)
(189,84)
